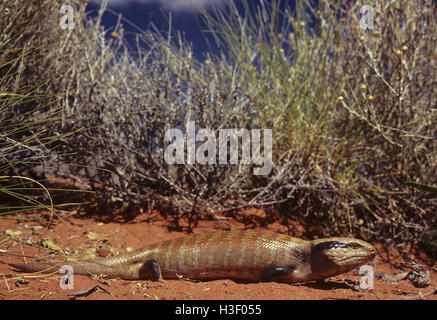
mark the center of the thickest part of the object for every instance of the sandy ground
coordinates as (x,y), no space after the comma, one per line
(80,236)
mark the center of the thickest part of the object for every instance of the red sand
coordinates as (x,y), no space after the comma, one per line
(74,236)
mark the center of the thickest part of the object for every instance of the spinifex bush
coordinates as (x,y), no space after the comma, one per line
(24,141)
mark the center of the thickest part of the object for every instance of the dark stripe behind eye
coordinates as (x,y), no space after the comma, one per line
(330,245)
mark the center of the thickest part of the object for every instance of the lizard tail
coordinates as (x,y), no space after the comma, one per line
(83,267)
(76,267)
(36,267)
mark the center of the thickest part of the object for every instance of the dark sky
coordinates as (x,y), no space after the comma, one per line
(184,18)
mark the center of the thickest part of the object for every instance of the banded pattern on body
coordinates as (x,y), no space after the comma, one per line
(236,254)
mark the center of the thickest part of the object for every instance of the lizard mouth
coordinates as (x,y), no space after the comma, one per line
(354,260)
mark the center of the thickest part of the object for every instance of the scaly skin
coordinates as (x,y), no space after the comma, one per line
(247,255)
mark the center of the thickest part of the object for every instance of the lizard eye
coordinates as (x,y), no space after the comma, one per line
(354,245)
(328,245)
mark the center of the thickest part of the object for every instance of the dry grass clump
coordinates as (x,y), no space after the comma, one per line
(28,108)
(23,138)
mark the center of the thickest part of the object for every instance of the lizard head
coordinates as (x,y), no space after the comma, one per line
(333,256)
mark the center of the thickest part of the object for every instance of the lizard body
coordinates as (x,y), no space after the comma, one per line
(247,255)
